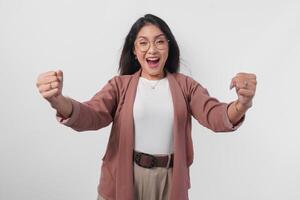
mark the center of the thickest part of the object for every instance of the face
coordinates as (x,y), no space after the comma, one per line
(151,49)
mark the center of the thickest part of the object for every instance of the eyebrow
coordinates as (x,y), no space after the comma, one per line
(154,37)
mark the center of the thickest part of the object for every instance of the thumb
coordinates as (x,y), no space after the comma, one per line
(232,84)
(60,75)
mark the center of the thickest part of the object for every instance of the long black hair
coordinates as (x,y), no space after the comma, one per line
(129,65)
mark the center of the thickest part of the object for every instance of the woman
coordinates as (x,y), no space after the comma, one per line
(150,103)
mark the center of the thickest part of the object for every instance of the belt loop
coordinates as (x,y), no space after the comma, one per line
(169,160)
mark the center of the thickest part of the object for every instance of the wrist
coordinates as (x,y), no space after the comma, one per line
(57,102)
(240,107)
(64,106)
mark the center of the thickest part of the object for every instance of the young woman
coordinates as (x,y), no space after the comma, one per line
(150,104)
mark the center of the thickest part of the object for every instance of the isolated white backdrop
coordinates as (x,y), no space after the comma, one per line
(43,160)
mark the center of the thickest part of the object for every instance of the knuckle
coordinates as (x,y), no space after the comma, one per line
(50,72)
(55,78)
(41,90)
(45,95)
(55,91)
(55,84)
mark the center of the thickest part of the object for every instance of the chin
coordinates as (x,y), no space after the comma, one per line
(155,71)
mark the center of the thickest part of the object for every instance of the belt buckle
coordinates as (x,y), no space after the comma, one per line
(138,159)
(169,161)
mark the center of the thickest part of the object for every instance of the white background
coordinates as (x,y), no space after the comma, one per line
(43,160)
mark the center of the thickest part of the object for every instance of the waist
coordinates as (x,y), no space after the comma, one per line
(150,160)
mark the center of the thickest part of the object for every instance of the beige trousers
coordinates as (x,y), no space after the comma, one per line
(151,184)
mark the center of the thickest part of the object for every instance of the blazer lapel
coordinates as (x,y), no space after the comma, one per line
(126,145)
(180,175)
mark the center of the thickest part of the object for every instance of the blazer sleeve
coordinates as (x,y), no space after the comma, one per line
(95,113)
(209,111)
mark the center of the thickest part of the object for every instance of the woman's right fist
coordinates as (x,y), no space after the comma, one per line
(50,85)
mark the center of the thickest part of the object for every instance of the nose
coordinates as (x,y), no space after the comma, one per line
(152,49)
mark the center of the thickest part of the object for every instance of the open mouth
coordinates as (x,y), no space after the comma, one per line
(152,62)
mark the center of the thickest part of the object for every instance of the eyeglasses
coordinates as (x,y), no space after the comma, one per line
(160,43)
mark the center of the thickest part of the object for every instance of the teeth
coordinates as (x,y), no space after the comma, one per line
(153,59)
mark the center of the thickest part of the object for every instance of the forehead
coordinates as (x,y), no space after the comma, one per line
(149,31)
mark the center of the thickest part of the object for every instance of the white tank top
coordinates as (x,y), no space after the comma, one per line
(153,117)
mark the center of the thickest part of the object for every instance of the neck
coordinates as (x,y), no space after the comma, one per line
(153,77)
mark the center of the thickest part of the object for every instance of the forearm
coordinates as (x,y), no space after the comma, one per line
(63,106)
(236,111)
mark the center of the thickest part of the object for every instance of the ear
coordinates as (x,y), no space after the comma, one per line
(134,52)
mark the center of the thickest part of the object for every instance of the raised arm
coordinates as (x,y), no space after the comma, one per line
(209,111)
(93,114)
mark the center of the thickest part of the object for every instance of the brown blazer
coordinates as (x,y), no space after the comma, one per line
(114,103)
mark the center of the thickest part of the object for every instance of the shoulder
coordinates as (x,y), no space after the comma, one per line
(121,79)
(180,77)
(120,82)
(189,86)
(185,81)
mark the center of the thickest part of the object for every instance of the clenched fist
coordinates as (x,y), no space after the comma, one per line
(245,84)
(50,85)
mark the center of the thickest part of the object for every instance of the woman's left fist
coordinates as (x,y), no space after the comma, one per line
(245,85)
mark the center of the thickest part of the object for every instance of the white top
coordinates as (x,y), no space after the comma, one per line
(153,117)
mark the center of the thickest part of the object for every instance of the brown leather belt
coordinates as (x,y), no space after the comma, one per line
(148,161)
